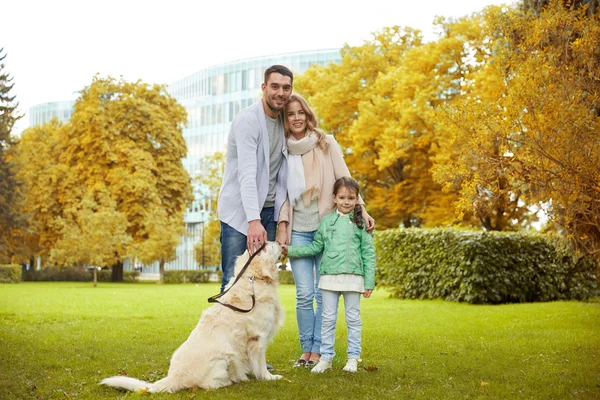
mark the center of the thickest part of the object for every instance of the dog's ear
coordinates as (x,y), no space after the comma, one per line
(268,270)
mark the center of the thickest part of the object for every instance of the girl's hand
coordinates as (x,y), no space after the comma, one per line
(284,249)
(367,293)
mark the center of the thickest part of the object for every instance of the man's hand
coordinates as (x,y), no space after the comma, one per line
(368,219)
(257,235)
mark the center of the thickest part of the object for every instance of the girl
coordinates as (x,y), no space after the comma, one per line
(347,268)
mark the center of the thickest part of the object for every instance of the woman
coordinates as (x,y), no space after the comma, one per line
(315,162)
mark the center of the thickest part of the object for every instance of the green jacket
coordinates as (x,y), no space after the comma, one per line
(346,249)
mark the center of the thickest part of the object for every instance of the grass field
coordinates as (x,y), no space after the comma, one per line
(58,340)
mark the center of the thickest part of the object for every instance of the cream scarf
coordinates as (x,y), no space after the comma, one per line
(304,169)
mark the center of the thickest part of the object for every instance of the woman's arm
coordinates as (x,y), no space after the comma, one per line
(282,223)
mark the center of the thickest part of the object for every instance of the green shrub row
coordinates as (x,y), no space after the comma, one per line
(10,273)
(286,277)
(482,267)
(192,276)
(195,276)
(53,274)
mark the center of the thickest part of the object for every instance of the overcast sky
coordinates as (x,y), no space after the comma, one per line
(55,47)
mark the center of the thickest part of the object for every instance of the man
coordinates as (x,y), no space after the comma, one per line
(255,181)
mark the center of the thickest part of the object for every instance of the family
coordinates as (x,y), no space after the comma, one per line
(286,180)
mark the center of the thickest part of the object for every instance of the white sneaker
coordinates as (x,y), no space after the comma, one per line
(351,365)
(321,367)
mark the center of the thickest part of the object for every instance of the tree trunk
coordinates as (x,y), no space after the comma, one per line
(161,270)
(117,272)
(95,276)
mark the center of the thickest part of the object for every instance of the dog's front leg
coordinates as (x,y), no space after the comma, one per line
(257,353)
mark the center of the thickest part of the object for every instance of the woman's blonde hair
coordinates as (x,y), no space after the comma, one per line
(312,124)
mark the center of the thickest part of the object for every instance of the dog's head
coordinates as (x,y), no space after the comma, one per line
(263,265)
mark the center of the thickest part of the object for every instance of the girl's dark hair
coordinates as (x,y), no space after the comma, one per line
(351,184)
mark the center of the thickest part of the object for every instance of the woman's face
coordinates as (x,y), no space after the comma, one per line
(296,119)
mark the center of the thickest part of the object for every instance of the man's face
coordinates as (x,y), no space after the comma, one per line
(276,92)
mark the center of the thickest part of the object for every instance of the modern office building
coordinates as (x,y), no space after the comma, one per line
(212,97)
(41,113)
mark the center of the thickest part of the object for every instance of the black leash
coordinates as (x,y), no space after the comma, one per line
(214,298)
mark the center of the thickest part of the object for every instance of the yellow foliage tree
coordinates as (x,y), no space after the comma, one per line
(208,249)
(45,182)
(531,130)
(94,234)
(120,157)
(382,103)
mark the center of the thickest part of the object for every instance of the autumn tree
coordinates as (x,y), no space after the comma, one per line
(382,104)
(208,249)
(13,223)
(125,142)
(114,168)
(47,185)
(535,117)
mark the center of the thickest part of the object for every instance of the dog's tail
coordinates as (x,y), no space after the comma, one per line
(135,385)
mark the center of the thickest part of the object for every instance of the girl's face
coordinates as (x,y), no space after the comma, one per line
(345,200)
(296,119)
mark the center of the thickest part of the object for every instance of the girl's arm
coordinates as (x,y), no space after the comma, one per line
(315,247)
(367,252)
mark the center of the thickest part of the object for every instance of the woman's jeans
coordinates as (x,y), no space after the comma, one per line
(306,277)
(330,312)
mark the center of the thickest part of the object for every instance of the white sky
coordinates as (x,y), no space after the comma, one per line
(55,47)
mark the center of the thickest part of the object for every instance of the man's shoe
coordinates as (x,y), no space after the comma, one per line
(351,365)
(321,367)
(270,367)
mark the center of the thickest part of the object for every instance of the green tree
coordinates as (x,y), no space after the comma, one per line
(13,223)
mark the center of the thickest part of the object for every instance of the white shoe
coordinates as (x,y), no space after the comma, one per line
(351,365)
(321,367)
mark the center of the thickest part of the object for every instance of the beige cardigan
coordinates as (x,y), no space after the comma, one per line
(333,167)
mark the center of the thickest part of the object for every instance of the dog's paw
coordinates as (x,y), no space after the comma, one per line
(271,377)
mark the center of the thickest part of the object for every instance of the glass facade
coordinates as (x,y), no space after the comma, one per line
(212,97)
(44,112)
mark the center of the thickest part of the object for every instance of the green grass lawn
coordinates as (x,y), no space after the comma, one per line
(58,340)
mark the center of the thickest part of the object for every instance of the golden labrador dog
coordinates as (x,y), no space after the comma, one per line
(226,346)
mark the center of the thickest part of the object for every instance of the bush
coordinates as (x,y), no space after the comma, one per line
(286,277)
(193,276)
(53,274)
(10,273)
(481,267)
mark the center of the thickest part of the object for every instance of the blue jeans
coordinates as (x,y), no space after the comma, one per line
(234,243)
(330,312)
(306,277)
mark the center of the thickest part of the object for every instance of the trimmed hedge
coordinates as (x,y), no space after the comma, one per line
(286,278)
(482,267)
(53,274)
(10,273)
(192,276)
